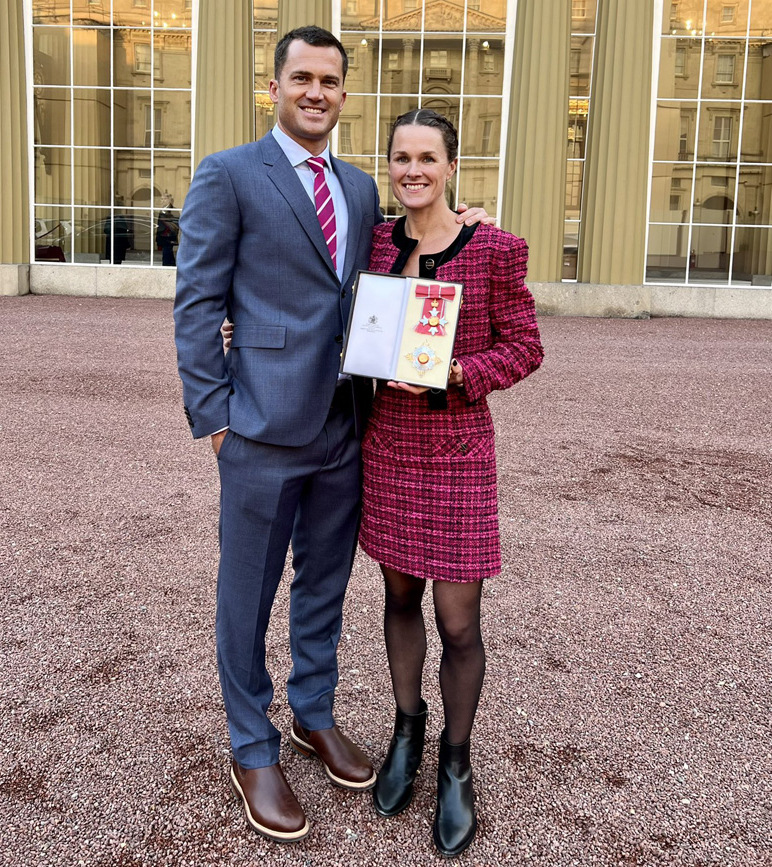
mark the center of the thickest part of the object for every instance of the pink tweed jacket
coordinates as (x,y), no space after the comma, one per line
(498,340)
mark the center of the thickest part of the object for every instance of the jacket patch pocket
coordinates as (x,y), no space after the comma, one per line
(260,336)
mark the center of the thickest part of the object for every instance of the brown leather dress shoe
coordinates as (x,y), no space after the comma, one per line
(346,765)
(270,806)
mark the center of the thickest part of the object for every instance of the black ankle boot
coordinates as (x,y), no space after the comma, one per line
(455,822)
(393,790)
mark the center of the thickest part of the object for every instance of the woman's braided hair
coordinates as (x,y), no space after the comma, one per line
(428,117)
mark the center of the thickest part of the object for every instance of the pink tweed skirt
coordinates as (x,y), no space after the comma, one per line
(429,505)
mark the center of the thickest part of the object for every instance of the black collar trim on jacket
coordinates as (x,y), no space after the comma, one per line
(406,245)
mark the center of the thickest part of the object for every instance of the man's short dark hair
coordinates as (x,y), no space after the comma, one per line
(311,35)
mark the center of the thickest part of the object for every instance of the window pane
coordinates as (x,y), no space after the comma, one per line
(91,57)
(265,46)
(714,192)
(484,72)
(358,137)
(728,18)
(91,125)
(671,193)
(758,81)
(679,68)
(719,128)
(132,173)
(94,12)
(131,119)
(51,11)
(753,257)
(756,142)
(574,181)
(173,13)
(131,13)
(478,182)
(486,16)
(754,199)
(583,16)
(363,15)
(172,175)
(172,57)
(481,127)
(723,69)
(683,17)
(53,176)
(167,234)
(580,65)
(265,14)
(141,238)
(449,18)
(362,50)
(667,254)
(400,63)
(52,116)
(711,245)
(51,54)
(578,112)
(570,249)
(91,175)
(442,65)
(172,118)
(91,240)
(264,114)
(760,25)
(53,227)
(131,53)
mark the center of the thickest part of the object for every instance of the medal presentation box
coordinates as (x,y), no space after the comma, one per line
(402,328)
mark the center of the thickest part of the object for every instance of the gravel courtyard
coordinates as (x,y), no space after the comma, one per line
(625,717)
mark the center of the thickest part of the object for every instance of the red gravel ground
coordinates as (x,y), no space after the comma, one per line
(626,712)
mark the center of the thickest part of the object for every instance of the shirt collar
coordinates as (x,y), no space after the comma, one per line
(295,153)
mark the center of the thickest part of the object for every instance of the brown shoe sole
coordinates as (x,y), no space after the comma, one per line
(305,749)
(270,833)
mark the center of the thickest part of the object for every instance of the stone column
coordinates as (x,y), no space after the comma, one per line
(533,203)
(473,53)
(407,64)
(298,13)
(14,177)
(613,234)
(224,87)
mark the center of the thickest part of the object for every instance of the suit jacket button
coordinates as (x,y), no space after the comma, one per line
(339,338)
(429,264)
(343,294)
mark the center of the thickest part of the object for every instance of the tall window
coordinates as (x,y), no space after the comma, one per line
(722,137)
(711,147)
(581,62)
(725,69)
(265,16)
(411,53)
(112,127)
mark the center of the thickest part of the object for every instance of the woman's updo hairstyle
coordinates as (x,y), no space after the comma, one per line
(428,117)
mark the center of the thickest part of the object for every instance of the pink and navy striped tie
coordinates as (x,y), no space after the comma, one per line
(324,207)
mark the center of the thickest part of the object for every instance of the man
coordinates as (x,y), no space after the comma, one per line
(273,242)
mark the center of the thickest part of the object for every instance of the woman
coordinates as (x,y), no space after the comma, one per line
(429,496)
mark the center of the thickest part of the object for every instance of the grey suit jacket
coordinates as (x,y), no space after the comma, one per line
(252,249)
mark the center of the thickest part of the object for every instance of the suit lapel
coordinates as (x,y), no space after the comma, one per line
(285,179)
(353,202)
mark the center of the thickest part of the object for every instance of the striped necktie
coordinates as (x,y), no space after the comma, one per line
(324,207)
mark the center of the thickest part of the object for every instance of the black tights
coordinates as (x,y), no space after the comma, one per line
(462,667)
